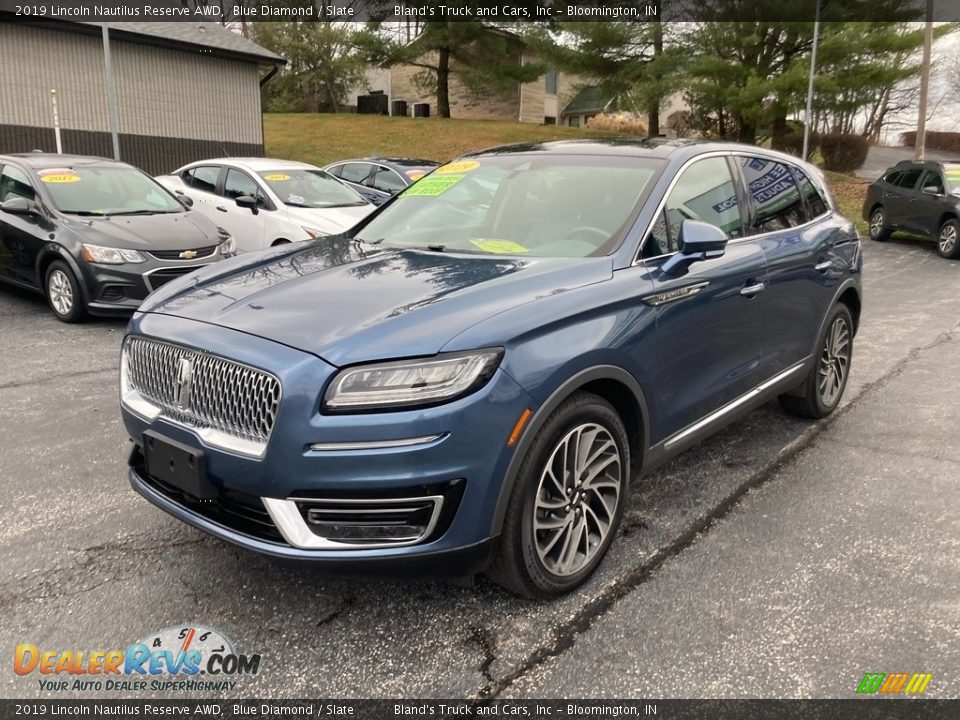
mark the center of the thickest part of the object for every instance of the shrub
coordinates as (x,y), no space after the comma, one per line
(623,122)
(936,140)
(793,143)
(680,123)
(843,153)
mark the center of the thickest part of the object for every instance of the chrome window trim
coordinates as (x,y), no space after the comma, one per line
(286,516)
(734,404)
(637,260)
(377,444)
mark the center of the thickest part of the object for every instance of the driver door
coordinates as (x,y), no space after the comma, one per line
(711,321)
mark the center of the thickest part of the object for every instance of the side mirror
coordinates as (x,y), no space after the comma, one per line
(185,200)
(931,190)
(249,202)
(19,206)
(698,241)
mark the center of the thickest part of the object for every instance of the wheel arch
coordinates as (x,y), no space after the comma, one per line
(613,384)
(49,254)
(948,215)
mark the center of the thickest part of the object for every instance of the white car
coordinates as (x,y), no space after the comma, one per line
(264,202)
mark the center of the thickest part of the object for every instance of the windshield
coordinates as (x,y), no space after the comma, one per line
(951,173)
(552,206)
(310,189)
(111,190)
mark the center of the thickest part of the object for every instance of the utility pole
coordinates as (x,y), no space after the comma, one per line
(808,118)
(920,146)
(111,91)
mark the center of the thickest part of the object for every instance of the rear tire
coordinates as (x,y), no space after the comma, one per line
(879,229)
(63,293)
(820,392)
(567,502)
(948,239)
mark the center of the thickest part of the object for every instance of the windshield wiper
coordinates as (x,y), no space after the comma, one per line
(143,212)
(86,213)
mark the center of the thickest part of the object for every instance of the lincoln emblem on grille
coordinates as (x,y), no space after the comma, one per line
(184,382)
(188,254)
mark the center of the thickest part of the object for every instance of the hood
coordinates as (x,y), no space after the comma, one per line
(350,303)
(330,220)
(167,231)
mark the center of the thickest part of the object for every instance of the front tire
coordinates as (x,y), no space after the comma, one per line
(948,240)
(820,393)
(567,502)
(879,229)
(63,293)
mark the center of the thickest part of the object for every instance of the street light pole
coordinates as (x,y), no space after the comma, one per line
(813,70)
(920,146)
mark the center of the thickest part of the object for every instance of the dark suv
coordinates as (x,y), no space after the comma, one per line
(920,198)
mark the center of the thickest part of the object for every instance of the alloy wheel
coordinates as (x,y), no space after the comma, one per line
(577,499)
(876,224)
(61,292)
(834,362)
(948,239)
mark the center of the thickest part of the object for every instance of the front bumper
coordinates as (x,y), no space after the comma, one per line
(464,464)
(120,289)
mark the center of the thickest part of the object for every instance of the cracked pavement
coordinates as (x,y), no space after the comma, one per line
(777,559)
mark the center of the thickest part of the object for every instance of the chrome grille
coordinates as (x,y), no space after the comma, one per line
(221,395)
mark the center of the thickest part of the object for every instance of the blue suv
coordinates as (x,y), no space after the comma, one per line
(472,377)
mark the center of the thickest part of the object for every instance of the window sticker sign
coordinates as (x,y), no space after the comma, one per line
(432,185)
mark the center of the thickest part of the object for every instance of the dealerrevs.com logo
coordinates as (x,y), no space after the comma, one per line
(187,658)
(894,683)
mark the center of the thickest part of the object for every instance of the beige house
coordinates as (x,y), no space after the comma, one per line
(541,101)
(185,90)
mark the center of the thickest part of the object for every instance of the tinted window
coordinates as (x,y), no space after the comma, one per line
(355,172)
(812,194)
(335,170)
(909,178)
(239,183)
(202,178)
(386,180)
(893,177)
(14,183)
(776,199)
(932,179)
(705,192)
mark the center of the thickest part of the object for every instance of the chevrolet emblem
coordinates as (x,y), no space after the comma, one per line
(188,254)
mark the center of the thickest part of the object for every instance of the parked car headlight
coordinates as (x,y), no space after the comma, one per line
(411,383)
(110,256)
(313,233)
(228,247)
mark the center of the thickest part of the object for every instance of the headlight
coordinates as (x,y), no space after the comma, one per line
(411,383)
(110,256)
(313,233)
(228,247)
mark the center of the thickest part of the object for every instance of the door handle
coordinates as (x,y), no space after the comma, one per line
(751,290)
(823,266)
(221,208)
(179,192)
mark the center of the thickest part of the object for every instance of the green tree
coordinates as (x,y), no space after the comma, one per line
(634,62)
(323,64)
(484,56)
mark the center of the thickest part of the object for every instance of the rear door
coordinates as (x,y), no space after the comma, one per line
(201,183)
(791,220)
(710,321)
(898,198)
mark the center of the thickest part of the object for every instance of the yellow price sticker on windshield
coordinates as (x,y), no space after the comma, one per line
(276,177)
(415,175)
(60,178)
(458,167)
(500,247)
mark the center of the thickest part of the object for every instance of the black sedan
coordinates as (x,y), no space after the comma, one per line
(379,179)
(94,235)
(919,198)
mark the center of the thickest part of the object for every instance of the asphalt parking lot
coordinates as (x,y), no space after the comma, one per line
(778,559)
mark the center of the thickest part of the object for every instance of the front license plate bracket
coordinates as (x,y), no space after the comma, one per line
(178,465)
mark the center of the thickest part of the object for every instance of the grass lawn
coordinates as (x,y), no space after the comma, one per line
(322,138)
